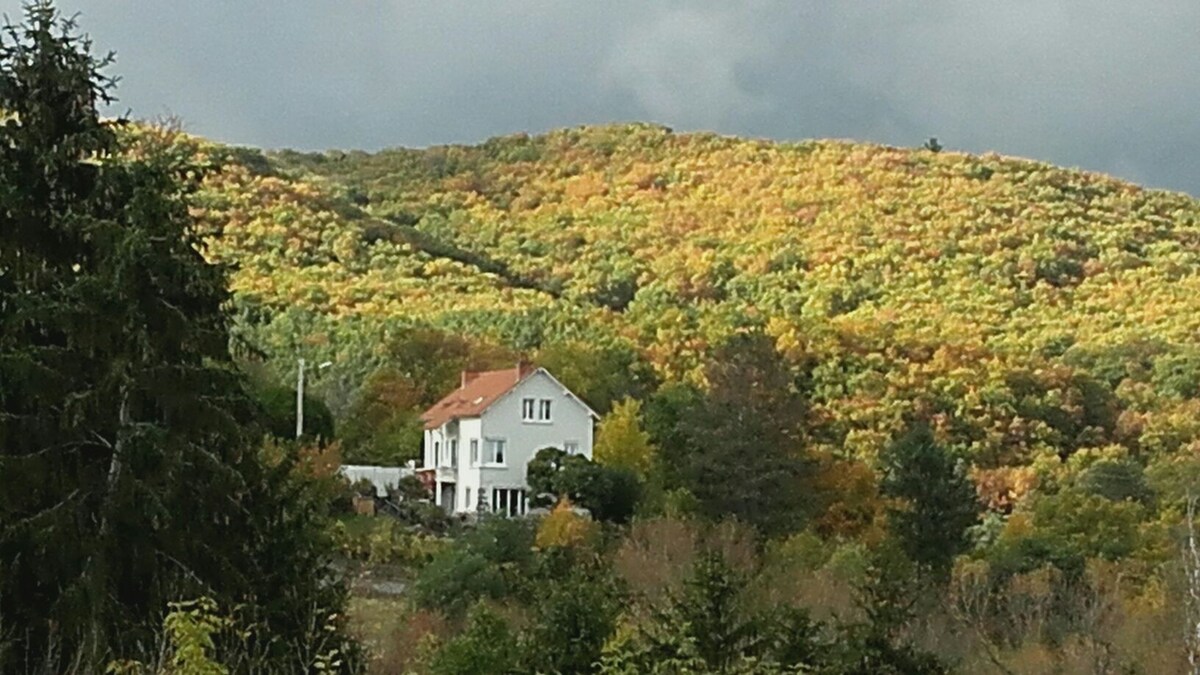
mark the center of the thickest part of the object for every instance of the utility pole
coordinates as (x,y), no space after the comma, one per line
(300,401)
(300,395)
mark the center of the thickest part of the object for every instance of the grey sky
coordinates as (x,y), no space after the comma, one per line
(1109,86)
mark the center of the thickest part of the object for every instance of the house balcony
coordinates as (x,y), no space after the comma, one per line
(432,475)
(443,472)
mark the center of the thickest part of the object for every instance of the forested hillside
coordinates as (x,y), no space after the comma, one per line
(978,373)
(824,340)
(862,409)
(1027,310)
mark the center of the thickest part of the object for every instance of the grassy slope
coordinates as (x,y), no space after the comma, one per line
(1023,307)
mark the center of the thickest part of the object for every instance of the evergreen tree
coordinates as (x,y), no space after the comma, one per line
(664,414)
(712,627)
(935,502)
(711,615)
(573,617)
(128,477)
(740,449)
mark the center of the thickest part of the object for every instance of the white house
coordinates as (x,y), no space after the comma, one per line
(479,438)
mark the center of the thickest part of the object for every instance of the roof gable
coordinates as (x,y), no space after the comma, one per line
(479,391)
(587,408)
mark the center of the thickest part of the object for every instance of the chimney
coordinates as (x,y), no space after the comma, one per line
(524,368)
(467,376)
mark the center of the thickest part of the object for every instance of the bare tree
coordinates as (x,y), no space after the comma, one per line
(1100,613)
(1191,572)
(973,603)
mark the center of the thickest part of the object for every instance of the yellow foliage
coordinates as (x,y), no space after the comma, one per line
(1003,489)
(563,528)
(620,440)
(1019,307)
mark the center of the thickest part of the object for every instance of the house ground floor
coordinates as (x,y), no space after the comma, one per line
(503,500)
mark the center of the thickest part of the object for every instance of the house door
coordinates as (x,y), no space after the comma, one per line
(447,498)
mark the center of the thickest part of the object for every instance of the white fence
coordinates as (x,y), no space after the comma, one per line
(382,477)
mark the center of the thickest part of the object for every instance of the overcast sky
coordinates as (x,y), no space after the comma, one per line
(1104,85)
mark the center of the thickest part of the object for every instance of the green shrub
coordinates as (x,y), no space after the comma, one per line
(487,645)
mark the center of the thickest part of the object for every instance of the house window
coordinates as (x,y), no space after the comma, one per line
(474,451)
(453,452)
(571,447)
(437,453)
(527,407)
(544,410)
(508,501)
(467,501)
(495,450)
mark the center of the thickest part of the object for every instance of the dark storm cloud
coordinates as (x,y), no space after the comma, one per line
(1103,85)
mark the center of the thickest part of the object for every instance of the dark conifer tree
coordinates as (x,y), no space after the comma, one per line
(128,471)
(935,501)
(740,449)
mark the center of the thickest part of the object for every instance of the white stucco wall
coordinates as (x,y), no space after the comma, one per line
(431,435)
(569,421)
(468,475)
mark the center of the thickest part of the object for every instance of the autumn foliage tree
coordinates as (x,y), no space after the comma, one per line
(383,425)
(621,442)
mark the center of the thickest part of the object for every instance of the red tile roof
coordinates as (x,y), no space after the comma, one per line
(477,392)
